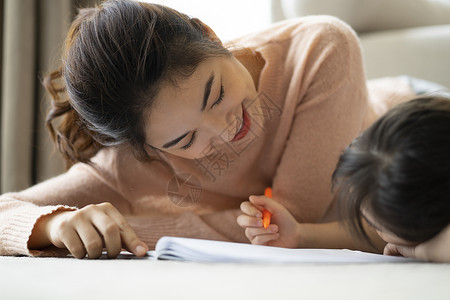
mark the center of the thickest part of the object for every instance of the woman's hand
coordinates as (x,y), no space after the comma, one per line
(436,249)
(89,230)
(283,231)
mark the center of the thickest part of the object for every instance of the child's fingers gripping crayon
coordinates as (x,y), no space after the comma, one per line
(266,213)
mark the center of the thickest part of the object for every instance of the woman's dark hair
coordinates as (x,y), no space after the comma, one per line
(398,171)
(115,58)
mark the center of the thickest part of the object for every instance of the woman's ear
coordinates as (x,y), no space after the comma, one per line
(207,30)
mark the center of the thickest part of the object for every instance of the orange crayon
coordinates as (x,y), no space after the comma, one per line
(266,213)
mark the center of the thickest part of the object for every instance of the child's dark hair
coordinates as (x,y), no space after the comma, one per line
(398,171)
(115,58)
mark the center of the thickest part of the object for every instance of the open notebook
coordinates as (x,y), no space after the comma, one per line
(197,250)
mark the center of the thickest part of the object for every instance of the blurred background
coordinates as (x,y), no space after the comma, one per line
(398,37)
(229,19)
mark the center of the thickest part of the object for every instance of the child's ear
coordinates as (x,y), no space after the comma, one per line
(207,31)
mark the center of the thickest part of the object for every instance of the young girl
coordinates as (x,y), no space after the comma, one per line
(395,177)
(168,130)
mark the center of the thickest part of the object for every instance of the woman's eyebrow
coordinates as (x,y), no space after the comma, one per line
(208,86)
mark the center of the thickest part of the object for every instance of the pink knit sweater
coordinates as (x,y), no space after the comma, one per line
(312,102)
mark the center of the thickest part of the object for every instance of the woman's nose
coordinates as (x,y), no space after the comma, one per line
(222,128)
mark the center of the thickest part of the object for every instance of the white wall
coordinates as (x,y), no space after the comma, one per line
(228,18)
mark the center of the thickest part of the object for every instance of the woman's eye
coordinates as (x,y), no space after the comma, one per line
(222,92)
(185,147)
(194,135)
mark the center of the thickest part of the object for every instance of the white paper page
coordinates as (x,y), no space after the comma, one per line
(198,250)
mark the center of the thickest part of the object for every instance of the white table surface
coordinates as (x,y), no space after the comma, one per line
(69,278)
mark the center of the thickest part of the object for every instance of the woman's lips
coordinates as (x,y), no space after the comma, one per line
(245,127)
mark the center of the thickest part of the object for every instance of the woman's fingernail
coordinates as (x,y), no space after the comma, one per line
(140,250)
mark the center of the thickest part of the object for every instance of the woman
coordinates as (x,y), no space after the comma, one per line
(172,129)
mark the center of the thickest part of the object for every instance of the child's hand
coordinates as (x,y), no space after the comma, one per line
(88,230)
(435,249)
(283,231)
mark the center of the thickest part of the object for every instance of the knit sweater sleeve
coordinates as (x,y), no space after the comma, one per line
(19,211)
(328,98)
(83,185)
(17,219)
